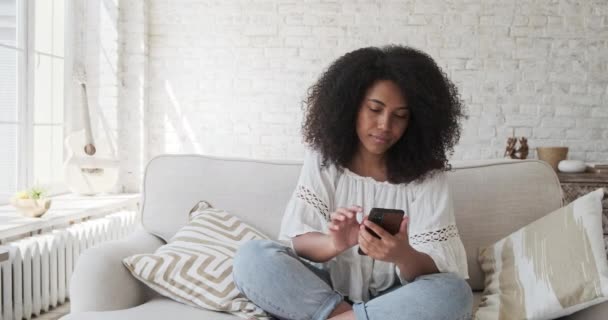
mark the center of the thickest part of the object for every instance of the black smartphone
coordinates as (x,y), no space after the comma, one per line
(387,219)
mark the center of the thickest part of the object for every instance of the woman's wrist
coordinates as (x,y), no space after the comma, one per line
(315,246)
(407,263)
(413,264)
(338,249)
(407,256)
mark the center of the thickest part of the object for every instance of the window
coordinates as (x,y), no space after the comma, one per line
(32,91)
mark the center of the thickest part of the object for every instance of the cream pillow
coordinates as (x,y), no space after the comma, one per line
(550,268)
(195,266)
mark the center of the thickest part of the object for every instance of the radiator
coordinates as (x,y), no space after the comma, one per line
(36,277)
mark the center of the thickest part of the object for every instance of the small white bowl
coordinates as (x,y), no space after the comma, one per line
(33,208)
(571,166)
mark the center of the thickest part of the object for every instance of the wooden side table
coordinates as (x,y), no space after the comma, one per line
(578,184)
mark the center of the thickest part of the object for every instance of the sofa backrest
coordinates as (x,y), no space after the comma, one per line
(491,198)
(256,191)
(494,198)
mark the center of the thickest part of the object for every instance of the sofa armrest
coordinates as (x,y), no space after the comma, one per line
(101,282)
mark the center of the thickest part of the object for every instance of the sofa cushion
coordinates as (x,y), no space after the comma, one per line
(156,309)
(195,266)
(596,312)
(552,267)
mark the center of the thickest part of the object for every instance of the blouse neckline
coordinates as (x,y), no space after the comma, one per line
(369,179)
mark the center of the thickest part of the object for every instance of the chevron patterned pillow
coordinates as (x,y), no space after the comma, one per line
(195,266)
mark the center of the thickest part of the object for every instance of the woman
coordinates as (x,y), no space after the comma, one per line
(380,123)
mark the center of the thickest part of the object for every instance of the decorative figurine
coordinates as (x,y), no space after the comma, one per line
(523,148)
(520,152)
(510,150)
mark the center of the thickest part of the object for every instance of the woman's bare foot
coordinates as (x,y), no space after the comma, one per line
(348,315)
(342,312)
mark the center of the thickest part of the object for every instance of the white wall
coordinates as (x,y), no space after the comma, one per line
(111,43)
(96,51)
(228,77)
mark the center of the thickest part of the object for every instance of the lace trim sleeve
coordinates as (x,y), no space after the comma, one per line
(439,235)
(308,196)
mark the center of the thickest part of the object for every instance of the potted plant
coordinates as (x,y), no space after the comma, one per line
(32,202)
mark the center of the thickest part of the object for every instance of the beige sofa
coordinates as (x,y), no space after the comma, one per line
(491,199)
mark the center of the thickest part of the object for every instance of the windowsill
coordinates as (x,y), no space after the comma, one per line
(65,210)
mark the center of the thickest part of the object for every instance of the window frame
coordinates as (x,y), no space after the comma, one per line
(25,46)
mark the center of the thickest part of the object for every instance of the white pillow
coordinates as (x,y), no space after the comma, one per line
(550,268)
(195,266)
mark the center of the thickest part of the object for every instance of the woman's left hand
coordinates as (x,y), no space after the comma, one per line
(389,248)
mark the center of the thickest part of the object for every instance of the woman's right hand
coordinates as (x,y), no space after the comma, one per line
(344,227)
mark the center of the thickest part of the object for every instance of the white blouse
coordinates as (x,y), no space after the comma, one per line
(432,228)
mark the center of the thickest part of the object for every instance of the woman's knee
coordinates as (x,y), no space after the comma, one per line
(459,291)
(252,256)
(455,292)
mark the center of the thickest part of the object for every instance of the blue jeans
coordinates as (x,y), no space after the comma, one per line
(273,277)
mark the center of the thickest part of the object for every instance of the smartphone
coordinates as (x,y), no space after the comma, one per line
(387,219)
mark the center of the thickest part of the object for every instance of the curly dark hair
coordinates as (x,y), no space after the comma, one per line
(333,102)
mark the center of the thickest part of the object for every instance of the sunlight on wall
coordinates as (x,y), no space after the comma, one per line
(178,132)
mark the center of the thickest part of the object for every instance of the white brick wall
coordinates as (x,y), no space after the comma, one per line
(228,78)
(133,94)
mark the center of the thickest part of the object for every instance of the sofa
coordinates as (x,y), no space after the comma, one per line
(492,199)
